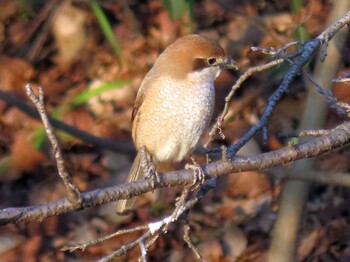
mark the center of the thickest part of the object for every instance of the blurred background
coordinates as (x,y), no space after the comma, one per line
(90,57)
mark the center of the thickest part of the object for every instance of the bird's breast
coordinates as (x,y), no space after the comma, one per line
(173,117)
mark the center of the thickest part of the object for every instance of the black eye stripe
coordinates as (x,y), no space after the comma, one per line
(199,63)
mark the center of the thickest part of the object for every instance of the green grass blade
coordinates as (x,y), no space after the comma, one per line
(86,95)
(106,29)
(176,8)
(5,165)
(301,33)
(38,138)
(296,5)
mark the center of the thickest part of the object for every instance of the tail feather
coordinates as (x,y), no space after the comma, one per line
(136,172)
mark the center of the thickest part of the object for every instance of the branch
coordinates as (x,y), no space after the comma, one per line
(295,193)
(73,192)
(338,137)
(154,229)
(308,52)
(217,126)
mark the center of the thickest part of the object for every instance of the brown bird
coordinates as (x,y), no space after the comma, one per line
(174,104)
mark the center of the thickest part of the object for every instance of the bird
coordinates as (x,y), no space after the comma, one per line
(174,105)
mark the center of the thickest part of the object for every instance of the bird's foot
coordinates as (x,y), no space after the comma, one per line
(199,175)
(153,175)
(148,167)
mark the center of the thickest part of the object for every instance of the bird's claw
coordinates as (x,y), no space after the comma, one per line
(153,175)
(150,171)
(199,175)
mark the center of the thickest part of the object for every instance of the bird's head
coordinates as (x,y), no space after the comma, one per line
(193,58)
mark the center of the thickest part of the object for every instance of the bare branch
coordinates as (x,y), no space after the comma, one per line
(342,79)
(73,193)
(217,126)
(345,106)
(188,241)
(161,226)
(275,52)
(338,137)
(96,241)
(308,52)
(332,101)
(329,33)
(143,252)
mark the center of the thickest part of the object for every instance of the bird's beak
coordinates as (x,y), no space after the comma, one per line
(229,63)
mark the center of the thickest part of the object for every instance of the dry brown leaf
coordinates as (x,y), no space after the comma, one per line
(30,249)
(9,241)
(342,90)
(57,80)
(210,249)
(24,156)
(8,9)
(80,118)
(248,184)
(14,74)
(308,243)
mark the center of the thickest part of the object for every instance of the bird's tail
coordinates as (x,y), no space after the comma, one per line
(136,172)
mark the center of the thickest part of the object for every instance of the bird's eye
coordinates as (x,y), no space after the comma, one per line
(211,61)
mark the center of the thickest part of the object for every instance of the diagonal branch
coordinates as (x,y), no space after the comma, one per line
(73,193)
(308,52)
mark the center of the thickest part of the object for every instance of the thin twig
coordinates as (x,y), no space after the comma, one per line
(152,240)
(345,106)
(73,193)
(341,80)
(189,243)
(96,241)
(279,52)
(329,33)
(275,52)
(295,192)
(332,101)
(143,250)
(217,126)
(308,52)
(161,226)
